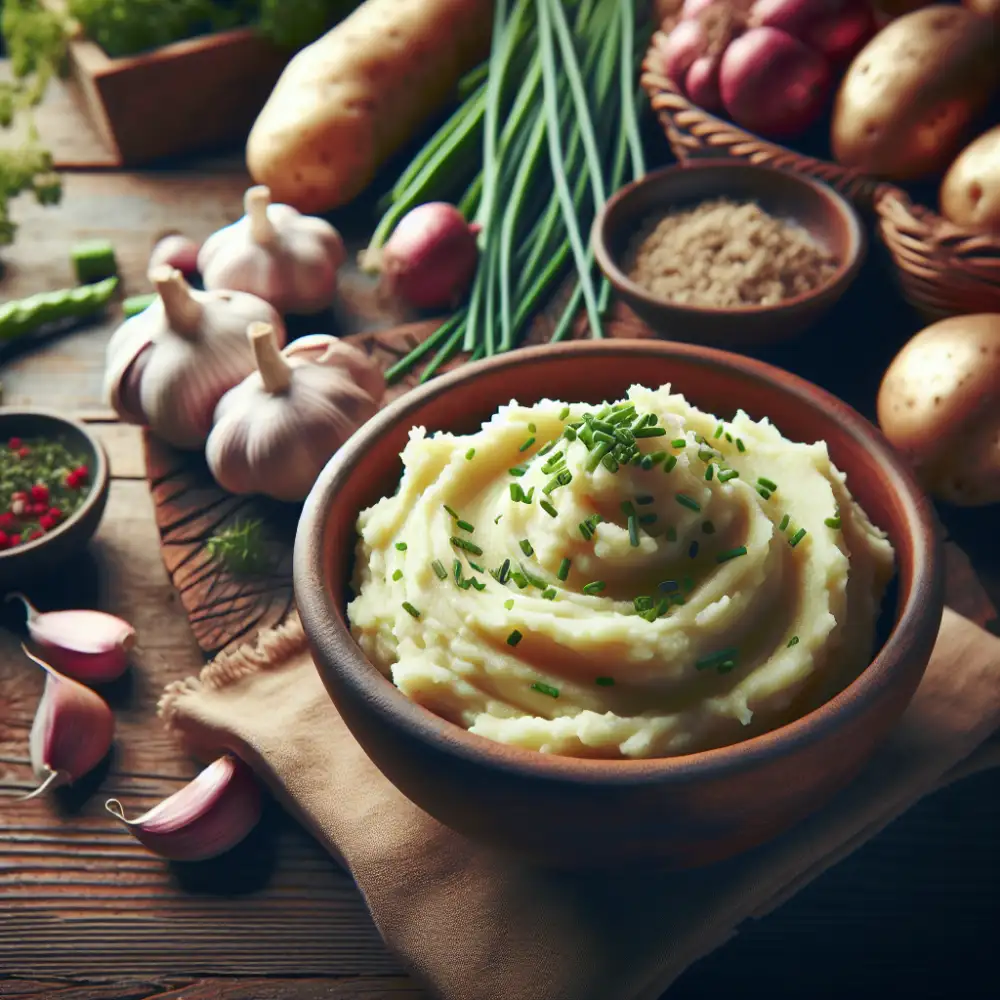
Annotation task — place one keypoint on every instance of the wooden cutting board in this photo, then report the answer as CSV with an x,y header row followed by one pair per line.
x,y
224,609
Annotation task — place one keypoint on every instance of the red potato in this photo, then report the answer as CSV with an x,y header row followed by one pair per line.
x,y
837,28
702,83
683,46
773,84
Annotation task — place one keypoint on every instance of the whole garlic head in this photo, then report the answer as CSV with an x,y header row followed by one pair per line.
x,y
277,429
169,366
286,258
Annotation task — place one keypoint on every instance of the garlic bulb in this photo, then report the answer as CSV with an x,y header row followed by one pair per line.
x,y
288,259
170,365
276,430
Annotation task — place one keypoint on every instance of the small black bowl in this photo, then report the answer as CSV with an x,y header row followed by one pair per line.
x,y
42,555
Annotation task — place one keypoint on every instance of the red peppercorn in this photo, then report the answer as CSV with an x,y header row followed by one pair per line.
x,y
35,535
82,473
40,493
15,540
72,481
39,508
46,523
55,513
7,521
4,540
23,452
14,444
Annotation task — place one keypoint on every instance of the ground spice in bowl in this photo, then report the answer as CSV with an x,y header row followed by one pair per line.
x,y
723,254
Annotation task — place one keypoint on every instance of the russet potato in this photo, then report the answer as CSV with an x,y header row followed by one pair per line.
x,y
910,96
939,405
970,192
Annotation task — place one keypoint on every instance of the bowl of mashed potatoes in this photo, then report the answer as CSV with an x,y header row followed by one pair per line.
x,y
619,600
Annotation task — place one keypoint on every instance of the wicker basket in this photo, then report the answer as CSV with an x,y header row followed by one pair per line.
x,y
942,270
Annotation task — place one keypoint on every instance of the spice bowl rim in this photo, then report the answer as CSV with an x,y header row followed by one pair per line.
x,y
608,218
99,478
337,653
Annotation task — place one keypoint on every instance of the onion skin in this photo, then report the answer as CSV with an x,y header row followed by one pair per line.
x,y
702,83
837,28
686,43
176,251
429,260
772,83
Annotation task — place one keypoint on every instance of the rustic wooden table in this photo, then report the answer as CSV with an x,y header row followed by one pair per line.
x,y
85,914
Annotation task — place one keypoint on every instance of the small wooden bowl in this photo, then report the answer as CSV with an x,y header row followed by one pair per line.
x,y
43,555
827,216
682,811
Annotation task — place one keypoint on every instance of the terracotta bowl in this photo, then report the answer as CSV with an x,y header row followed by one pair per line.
x,y
827,215
681,811
42,556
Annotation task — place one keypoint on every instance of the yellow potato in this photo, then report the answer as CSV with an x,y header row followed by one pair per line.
x,y
970,192
350,100
909,97
939,404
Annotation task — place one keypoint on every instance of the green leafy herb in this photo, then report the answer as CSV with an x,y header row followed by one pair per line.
x,y
241,548
401,546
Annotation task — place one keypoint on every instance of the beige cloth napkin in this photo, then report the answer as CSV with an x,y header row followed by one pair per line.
x,y
472,925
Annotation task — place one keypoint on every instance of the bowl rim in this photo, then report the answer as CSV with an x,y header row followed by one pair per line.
x,y
324,626
844,274
100,475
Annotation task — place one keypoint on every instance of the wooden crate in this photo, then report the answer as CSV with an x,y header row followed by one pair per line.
x,y
192,96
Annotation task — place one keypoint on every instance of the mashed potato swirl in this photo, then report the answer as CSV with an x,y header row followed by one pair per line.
x,y
638,579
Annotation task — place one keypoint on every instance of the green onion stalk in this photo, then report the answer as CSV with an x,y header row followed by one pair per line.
x,y
547,129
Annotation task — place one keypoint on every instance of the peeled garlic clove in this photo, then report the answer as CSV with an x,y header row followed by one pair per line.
x,y
207,817
71,733
90,646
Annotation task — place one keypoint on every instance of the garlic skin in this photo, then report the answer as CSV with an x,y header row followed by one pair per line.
x,y
276,431
322,349
169,366
71,733
288,259
207,817
89,646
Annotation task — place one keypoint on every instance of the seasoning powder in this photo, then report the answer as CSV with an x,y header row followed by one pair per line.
x,y
727,255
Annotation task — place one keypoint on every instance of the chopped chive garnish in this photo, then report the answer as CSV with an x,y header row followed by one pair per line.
x,y
509,604
722,557
461,543
797,537
605,682
714,659
647,518
548,508
650,460
740,446
650,432
569,434
610,463
767,484
726,474
470,454
669,464
564,478
708,528
766,494
603,425
476,567
671,534
478,584
709,472
602,436
718,431
688,584
439,570
784,523
544,688
627,509
706,454
553,463
519,578
465,526
496,520
832,522
549,593
794,641
726,666
546,448
450,511
515,637
685,501
642,603
669,586
401,546
597,455
518,470
645,500
585,530
456,567
729,437
693,550
398,575
564,413
678,443
516,492
504,574
526,548
527,444
633,530
529,496
563,571
535,581
594,587
410,610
